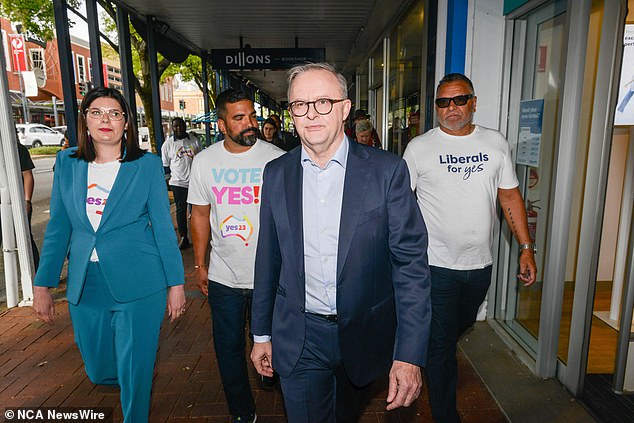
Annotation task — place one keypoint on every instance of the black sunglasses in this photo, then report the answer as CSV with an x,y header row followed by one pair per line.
x,y
459,100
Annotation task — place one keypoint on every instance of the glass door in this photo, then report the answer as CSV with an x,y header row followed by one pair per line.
x,y
537,69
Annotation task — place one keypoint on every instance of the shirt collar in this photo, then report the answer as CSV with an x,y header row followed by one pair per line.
x,y
340,157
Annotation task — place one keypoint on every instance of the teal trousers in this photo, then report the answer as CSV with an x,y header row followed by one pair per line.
x,y
118,341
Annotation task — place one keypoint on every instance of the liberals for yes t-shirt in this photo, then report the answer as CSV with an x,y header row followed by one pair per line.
x,y
456,180
231,184
101,177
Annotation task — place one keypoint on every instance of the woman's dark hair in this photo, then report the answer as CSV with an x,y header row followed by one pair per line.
x,y
269,121
130,149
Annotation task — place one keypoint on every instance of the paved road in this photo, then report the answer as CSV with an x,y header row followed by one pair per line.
x,y
43,174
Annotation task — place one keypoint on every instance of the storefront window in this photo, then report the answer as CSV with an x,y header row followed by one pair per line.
x,y
406,61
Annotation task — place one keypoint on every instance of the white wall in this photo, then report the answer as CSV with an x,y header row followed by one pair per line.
x,y
483,61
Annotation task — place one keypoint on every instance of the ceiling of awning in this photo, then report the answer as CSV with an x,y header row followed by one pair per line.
x,y
347,29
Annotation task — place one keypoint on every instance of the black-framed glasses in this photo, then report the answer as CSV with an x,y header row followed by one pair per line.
x,y
113,114
323,106
459,100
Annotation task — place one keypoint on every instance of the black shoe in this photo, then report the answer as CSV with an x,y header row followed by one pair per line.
x,y
268,383
184,244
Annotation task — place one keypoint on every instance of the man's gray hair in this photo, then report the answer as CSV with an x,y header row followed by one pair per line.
x,y
295,71
362,126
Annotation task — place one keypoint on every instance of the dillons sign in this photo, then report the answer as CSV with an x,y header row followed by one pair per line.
x,y
264,58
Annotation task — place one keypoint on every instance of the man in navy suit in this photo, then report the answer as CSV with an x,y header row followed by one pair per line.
x,y
341,291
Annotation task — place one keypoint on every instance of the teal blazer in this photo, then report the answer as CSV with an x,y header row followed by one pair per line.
x,y
136,243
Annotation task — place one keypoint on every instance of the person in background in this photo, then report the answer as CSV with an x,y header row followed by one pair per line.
x,y
458,170
26,167
363,131
271,134
28,182
289,140
177,153
224,192
110,215
341,291
361,115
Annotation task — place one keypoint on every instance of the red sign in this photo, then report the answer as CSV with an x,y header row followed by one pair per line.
x,y
105,74
18,51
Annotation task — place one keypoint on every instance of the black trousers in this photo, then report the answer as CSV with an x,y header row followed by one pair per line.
x,y
180,200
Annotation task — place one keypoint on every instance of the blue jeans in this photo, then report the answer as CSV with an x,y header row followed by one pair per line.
x,y
456,296
230,311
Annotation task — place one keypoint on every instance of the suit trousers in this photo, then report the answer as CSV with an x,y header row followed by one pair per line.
x,y
118,341
456,296
318,389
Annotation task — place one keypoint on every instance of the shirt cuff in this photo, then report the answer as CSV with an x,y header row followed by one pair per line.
x,y
260,339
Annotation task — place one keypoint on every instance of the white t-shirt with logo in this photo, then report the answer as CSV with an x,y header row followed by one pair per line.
x,y
178,156
231,184
456,180
101,177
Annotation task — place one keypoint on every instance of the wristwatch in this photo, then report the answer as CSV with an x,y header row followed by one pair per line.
x,y
528,246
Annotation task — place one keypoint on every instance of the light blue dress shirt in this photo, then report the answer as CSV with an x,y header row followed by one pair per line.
x,y
322,196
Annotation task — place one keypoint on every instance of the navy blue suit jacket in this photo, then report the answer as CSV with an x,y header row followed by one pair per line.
x,y
383,279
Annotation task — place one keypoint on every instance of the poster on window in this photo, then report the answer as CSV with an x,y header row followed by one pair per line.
x,y
530,136
625,106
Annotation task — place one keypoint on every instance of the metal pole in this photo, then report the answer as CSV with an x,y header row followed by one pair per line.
x,y
66,67
154,77
125,60
95,43
203,57
25,108
13,206
54,100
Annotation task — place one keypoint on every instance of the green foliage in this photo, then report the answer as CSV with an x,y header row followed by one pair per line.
x,y
192,70
35,15
40,151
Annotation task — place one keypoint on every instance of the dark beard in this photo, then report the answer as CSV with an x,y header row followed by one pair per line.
x,y
247,140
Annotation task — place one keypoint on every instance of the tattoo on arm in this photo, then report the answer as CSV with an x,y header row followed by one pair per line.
x,y
511,221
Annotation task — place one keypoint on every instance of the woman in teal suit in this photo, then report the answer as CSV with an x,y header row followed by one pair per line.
x,y
110,215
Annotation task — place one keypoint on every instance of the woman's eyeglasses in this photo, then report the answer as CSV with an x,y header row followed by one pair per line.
x,y
113,114
459,100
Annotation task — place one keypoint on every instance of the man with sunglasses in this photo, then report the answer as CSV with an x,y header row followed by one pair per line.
x,y
458,170
341,291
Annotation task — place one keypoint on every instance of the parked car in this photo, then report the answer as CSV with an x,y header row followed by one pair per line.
x,y
37,135
60,129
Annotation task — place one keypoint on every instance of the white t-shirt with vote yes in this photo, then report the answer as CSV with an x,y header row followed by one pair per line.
x,y
101,177
456,180
231,184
